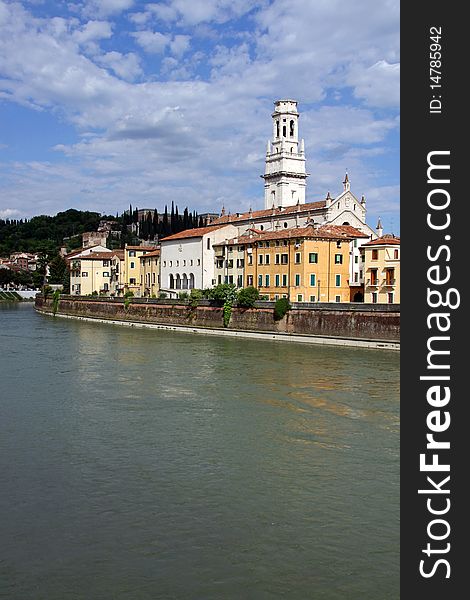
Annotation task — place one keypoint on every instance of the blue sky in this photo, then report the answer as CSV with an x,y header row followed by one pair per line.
x,y
104,103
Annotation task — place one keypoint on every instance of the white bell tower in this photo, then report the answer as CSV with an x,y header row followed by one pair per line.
x,y
284,176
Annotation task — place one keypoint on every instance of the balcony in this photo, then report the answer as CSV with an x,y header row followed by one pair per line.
x,y
390,282
373,282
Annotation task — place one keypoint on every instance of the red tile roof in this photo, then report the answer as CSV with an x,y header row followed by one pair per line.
x,y
333,232
190,233
144,248
98,256
385,240
154,253
277,212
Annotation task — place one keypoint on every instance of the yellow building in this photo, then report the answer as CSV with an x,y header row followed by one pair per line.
x,y
132,265
307,264
150,273
94,272
382,270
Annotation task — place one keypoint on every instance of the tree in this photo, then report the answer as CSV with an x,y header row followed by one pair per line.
x,y
58,272
247,297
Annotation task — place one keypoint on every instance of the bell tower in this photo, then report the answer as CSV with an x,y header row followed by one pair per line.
x,y
284,176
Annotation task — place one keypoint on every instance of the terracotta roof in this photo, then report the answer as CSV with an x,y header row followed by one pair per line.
x,y
154,253
144,248
385,240
256,214
333,232
99,256
190,233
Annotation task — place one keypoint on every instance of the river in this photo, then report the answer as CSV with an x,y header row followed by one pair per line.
x,y
143,464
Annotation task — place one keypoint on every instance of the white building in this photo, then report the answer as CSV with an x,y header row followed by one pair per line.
x,y
284,176
187,258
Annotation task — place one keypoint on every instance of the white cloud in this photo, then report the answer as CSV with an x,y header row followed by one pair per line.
x,y
125,66
180,44
378,85
152,42
105,8
9,213
93,30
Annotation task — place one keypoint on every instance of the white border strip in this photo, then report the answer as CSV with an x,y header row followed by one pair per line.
x,y
283,337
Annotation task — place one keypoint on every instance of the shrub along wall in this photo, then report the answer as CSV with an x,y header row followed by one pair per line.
x,y
356,321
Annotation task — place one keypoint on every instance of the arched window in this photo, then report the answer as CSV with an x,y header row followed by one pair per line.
x,y
185,281
191,281
292,128
284,131
178,282
171,282
277,128
345,223
261,227
285,225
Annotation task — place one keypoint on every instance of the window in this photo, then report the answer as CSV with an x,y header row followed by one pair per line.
x,y
312,298
297,280
355,241
338,244
277,259
164,263
356,260
105,273
208,243
337,298
313,280
250,259
297,258
356,278
284,259
284,281
260,281
240,248
390,297
240,281
198,262
395,254
230,279
285,225
105,287
177,263
191,262
375,254
106,263
260,259
338,280
131,253
132,264
240,263
219,279
313,257
374,297
153,277
277,280
300,297
266,259
230,249
132,281
84,274
184,263
249,280
338,259
266,281
373,277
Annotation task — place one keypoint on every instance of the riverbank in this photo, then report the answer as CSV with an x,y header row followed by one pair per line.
x,y
18,296
370,326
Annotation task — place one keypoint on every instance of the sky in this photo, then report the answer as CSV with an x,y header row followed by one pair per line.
x,y
106,103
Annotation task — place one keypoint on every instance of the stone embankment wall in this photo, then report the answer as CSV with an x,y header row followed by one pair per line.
x,y
349,321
